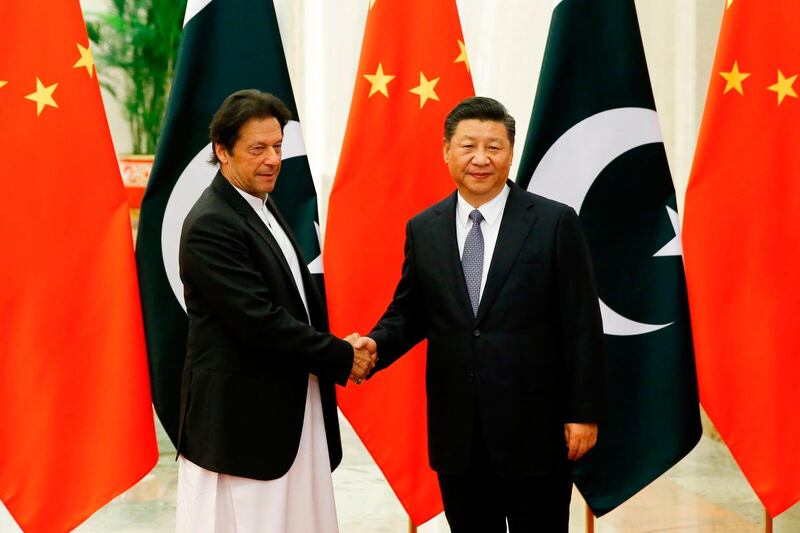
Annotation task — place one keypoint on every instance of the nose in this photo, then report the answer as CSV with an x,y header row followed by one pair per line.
x,y
271,156
480,158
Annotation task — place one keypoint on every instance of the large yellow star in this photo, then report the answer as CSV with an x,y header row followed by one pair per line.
x,y
86,60
462,57
734,78
784,87
379,81
43,96
425,89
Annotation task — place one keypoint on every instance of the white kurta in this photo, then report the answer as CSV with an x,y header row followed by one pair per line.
x,y
299,502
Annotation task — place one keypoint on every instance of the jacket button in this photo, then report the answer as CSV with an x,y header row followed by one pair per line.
x,y
476,333
470,376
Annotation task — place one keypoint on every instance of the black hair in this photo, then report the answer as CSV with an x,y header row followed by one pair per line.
x,y
479,108
236,110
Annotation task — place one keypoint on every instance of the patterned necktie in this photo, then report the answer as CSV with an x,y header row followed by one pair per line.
x,y
472,260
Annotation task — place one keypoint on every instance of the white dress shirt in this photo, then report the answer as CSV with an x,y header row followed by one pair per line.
x,y
492,212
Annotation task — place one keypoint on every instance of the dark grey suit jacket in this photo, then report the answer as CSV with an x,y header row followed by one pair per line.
x,y
251,345
530,360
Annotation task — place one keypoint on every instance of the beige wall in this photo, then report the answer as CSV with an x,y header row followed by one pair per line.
x,y
114,111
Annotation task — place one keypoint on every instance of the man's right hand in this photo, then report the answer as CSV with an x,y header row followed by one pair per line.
x,y
364,357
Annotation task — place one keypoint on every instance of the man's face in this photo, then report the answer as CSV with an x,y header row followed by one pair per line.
x,y
479,159
255,160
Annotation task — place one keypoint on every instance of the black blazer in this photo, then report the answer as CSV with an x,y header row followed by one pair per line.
x,y
528,363
251,346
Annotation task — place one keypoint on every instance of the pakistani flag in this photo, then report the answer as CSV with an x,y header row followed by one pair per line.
x,y
594,143
227,45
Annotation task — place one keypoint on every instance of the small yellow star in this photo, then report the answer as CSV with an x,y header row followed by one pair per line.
x,y
372,3
2,83
43,96
784,87
86,60
734,78
462,57
425,89
730,2
379,81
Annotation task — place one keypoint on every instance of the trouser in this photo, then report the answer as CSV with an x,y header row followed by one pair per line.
x,y
480,501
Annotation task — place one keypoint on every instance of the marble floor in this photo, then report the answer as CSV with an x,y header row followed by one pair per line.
x,y
704,493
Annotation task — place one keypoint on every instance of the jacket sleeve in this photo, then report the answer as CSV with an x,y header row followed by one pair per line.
x,y
402,326
215,262
582,327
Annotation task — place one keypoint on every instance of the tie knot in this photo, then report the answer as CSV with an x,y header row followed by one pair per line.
x,y
476,216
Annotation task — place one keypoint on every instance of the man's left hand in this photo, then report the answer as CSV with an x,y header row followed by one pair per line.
x,y
580,439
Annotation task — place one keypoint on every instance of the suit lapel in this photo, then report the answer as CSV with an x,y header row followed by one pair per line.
x,y
518,220
240,205
445,233
313,298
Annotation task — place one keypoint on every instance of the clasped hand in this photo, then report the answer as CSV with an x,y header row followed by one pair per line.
x,y
365,353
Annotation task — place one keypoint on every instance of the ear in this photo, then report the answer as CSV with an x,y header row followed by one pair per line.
x,y
222,153
446,150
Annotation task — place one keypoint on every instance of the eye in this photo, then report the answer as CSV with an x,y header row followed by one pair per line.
x,y
257,150
278,148
467,146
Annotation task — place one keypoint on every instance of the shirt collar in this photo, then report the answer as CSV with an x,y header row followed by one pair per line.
x,y
254,201
491,210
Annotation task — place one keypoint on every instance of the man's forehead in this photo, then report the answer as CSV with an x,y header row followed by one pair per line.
x,y
469,128
478,122
258,130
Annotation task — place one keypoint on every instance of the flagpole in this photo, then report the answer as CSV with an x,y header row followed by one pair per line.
x,y
767,522
589,519
412,528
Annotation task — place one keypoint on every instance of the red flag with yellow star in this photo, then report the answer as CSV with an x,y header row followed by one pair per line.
x,y
413,70
742,246
77,425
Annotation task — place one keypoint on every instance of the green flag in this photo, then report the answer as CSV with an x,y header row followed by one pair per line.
x,y
226,46
595,143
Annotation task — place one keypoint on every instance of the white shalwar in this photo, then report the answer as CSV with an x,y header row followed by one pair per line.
x,y
299,502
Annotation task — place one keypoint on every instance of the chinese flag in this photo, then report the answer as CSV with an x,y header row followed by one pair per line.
x,y
77,426
413,70
742,246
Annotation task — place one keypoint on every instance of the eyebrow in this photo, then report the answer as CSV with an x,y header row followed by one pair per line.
x,y
491,139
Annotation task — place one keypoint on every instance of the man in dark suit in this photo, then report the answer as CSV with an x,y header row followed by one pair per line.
x,y
499,281
258,434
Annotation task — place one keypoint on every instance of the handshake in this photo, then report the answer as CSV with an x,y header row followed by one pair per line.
x,y
365,353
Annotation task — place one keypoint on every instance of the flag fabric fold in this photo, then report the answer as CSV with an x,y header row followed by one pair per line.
x,y
742,243
226,46
413,69
595,143
74,392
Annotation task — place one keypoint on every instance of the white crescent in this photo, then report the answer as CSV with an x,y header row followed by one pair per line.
x,y
193,7
194,179
573,162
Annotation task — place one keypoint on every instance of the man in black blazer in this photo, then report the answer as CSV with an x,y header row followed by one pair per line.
x,y
499,281
260,368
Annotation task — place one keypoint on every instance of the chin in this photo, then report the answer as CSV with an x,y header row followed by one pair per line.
x,y
481,191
